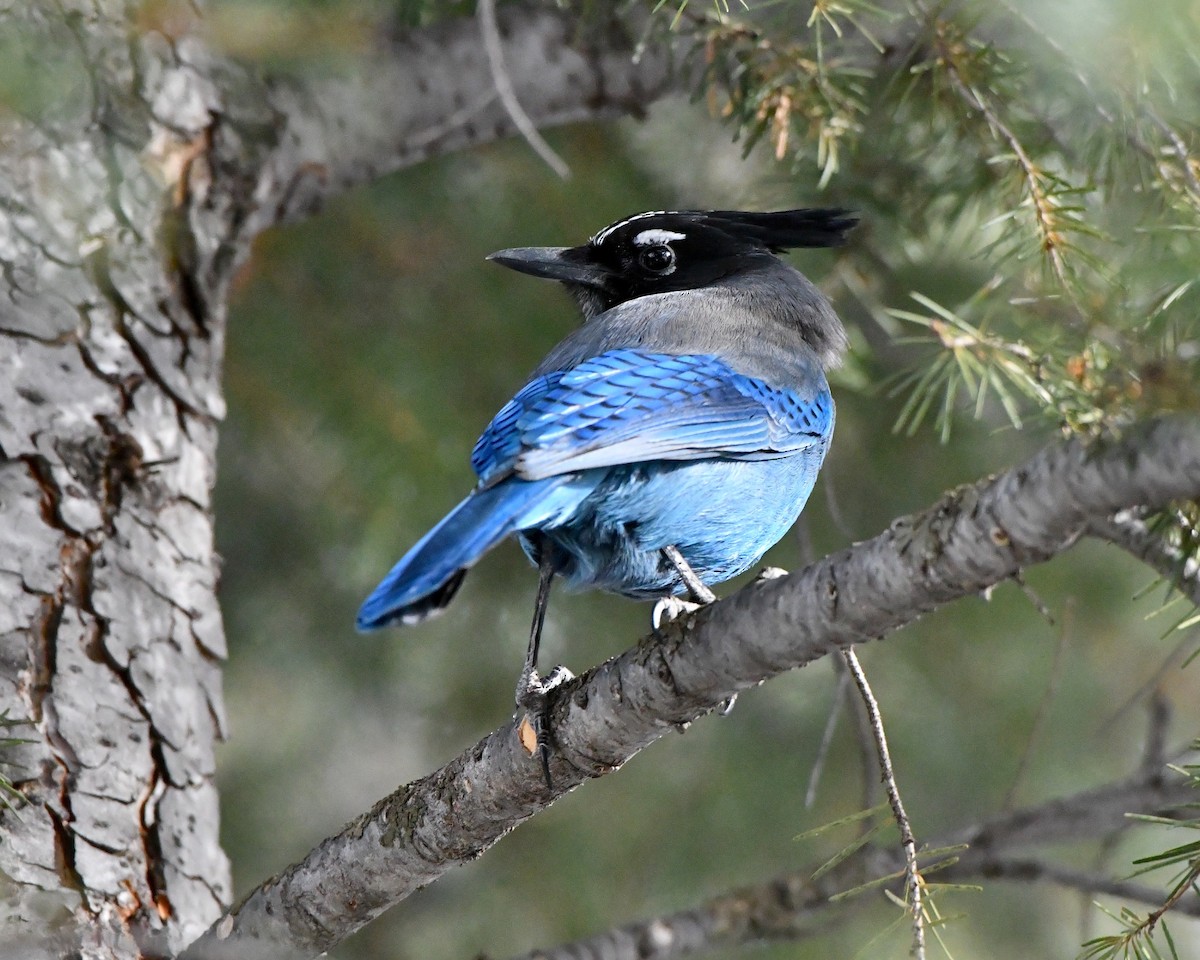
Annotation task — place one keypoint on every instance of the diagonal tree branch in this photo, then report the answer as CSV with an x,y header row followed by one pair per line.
x,y
797,905
975,537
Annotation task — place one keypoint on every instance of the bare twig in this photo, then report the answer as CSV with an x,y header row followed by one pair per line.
x,y
1187,163
1039,719
696,587
912,875
831,504
508,96
1043,205
1003,868
835,708
1184,649
865,739
444,127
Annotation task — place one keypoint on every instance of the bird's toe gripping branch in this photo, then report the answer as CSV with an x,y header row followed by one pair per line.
x,y
667,609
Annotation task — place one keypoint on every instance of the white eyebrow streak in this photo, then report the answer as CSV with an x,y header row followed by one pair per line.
x,y
607,231
650,237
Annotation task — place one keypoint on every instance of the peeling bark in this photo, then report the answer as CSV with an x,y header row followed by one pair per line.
x,y
110,635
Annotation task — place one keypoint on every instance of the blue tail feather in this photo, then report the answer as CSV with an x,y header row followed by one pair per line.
x,y
426,578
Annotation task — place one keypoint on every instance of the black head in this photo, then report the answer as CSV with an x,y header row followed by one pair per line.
x,y
660,251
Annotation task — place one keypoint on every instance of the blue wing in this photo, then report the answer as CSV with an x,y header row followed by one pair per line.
x,y
625,406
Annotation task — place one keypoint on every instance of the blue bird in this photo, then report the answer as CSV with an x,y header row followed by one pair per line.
x,y
666,443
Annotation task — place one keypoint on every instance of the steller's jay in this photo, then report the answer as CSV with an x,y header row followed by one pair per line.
x,y
666,443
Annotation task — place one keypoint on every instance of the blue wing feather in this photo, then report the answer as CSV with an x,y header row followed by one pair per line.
x,y
626,406
412,590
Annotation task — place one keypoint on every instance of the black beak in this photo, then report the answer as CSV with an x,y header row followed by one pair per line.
x,y
565,264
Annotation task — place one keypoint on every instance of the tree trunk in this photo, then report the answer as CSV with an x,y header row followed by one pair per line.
x,y
110,634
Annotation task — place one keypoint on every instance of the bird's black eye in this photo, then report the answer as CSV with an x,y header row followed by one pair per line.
x,y
657,259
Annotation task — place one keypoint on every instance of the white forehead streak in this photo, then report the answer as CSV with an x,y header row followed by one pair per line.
x,y
648,238
607,231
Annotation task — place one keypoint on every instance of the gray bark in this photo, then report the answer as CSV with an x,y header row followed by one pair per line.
x,y
974,538
110,635
134,171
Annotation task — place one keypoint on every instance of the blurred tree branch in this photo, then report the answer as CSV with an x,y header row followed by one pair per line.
x,y
976,537
801,904
424,93
1133,531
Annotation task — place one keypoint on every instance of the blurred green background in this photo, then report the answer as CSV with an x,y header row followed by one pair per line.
x,y
367,349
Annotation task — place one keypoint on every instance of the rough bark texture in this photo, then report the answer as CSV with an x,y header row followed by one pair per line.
x,y
110,635
135,167
975,537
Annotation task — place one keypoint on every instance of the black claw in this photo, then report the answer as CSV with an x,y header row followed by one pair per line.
x,y
542,729
534,703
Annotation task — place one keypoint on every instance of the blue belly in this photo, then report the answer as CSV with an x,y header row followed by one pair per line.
x,y
723,515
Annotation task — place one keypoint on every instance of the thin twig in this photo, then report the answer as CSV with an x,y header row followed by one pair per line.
x,y
431,135
508,96
1154,753
1039,719
1179,148
831,504
1182,651
1034,599
835,709
1043,207
864,736
1036,870
912,876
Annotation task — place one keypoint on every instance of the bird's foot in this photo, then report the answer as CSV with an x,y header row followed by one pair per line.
x,y
668,609
534,728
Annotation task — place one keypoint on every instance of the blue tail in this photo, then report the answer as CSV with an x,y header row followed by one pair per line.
x,y
427,577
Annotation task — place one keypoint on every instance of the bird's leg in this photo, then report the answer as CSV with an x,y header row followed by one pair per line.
x,y
529,675
672,607
700,593
532,689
